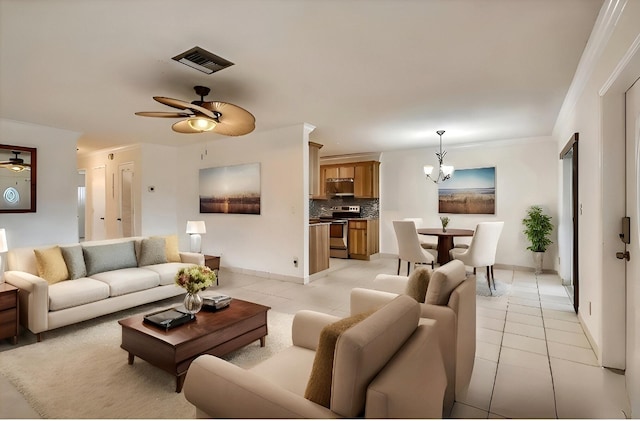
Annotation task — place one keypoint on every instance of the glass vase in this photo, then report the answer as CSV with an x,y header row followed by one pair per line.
x,y
193,302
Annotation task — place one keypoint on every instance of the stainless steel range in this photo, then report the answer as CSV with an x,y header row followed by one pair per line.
x,y
339,229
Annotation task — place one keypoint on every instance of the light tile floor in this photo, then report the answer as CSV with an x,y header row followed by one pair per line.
x,y
532,359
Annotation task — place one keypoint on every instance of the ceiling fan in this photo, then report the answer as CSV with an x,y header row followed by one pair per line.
x,y
15,164
205,116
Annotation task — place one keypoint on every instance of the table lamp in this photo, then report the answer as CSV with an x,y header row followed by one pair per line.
x,y
195,228
3,250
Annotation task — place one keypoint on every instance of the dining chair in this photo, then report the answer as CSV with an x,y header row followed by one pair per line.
x,y
409,248
424,239
482,249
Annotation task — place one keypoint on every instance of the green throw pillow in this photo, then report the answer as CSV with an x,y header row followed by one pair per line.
x,y
152,251
106,257
75,261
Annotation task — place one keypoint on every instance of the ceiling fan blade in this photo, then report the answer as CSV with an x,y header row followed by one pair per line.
x,y
232,120
183,105
183,126
163,114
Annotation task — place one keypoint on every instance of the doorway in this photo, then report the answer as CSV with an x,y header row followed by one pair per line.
x,y
82,202
569,220
127,205
630,237
98,203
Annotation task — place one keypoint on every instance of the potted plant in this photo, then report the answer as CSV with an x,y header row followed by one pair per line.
x,y
538,228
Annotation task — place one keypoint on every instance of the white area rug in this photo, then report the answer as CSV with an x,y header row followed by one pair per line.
x,y
482,289
81,372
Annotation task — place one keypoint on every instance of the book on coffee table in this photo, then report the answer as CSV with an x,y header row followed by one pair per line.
x,y
215,302
169,318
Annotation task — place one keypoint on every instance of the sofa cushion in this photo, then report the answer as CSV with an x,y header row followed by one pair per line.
x,y
51,265
443,281
75,292
74,260
362,351
319,385
152,251
292,380
417,284
168,271
106,257
125,281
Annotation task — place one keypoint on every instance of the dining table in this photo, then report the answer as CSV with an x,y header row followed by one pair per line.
x,y
445,240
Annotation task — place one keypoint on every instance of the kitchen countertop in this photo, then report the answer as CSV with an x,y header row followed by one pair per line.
x,y
318,222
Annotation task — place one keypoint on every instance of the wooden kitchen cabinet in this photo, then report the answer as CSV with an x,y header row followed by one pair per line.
x,y
333,171
366,180
363,238
318,248
339,171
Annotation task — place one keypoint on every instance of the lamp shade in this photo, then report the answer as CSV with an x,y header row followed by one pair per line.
x,y
196,227
201,124
3,241
447,170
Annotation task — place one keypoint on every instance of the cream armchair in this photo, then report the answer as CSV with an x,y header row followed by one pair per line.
x,y
386,366
451,301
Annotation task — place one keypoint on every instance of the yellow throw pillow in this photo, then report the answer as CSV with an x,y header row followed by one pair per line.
x,y
319,384
51,265
171,248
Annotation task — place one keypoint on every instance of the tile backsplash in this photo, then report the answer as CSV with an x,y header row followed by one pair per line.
x,y
369,208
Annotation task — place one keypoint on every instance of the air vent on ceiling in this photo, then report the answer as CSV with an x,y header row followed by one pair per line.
x,y
202,60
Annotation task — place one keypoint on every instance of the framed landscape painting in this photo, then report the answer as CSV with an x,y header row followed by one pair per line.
x,y
232,189
469,191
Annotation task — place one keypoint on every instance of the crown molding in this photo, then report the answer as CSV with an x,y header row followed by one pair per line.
x,y
603,28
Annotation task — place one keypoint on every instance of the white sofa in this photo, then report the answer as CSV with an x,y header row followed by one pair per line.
x,y
102,277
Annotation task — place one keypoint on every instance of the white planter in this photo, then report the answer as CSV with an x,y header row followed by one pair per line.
x,y
537,261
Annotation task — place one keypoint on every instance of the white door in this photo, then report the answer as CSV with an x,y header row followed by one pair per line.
x,y
126,218
633,248
98,203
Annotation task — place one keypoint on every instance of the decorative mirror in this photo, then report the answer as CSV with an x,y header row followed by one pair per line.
x,y
17,179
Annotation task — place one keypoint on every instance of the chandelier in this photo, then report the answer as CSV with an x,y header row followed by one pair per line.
x,y
444,171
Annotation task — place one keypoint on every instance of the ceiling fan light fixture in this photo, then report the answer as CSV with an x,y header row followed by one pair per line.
x,y
17,168
201,124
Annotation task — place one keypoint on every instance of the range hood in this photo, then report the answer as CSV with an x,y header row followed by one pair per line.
x,y
339,187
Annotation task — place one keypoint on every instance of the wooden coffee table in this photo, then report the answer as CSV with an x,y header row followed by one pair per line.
x,y
213,332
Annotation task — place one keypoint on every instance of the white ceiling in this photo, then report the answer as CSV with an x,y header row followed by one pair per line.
x,y
370,75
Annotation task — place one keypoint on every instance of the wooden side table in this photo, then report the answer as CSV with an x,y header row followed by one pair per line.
x,y
213,263
9,312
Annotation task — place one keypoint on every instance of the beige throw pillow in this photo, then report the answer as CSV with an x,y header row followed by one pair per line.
x,y
171,248
417,284
443,281
319,384
51,265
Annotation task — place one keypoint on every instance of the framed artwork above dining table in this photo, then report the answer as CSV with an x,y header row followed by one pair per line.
x,y
469,191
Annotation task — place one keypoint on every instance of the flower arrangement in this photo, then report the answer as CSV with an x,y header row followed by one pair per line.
x,y
445,222
195,278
